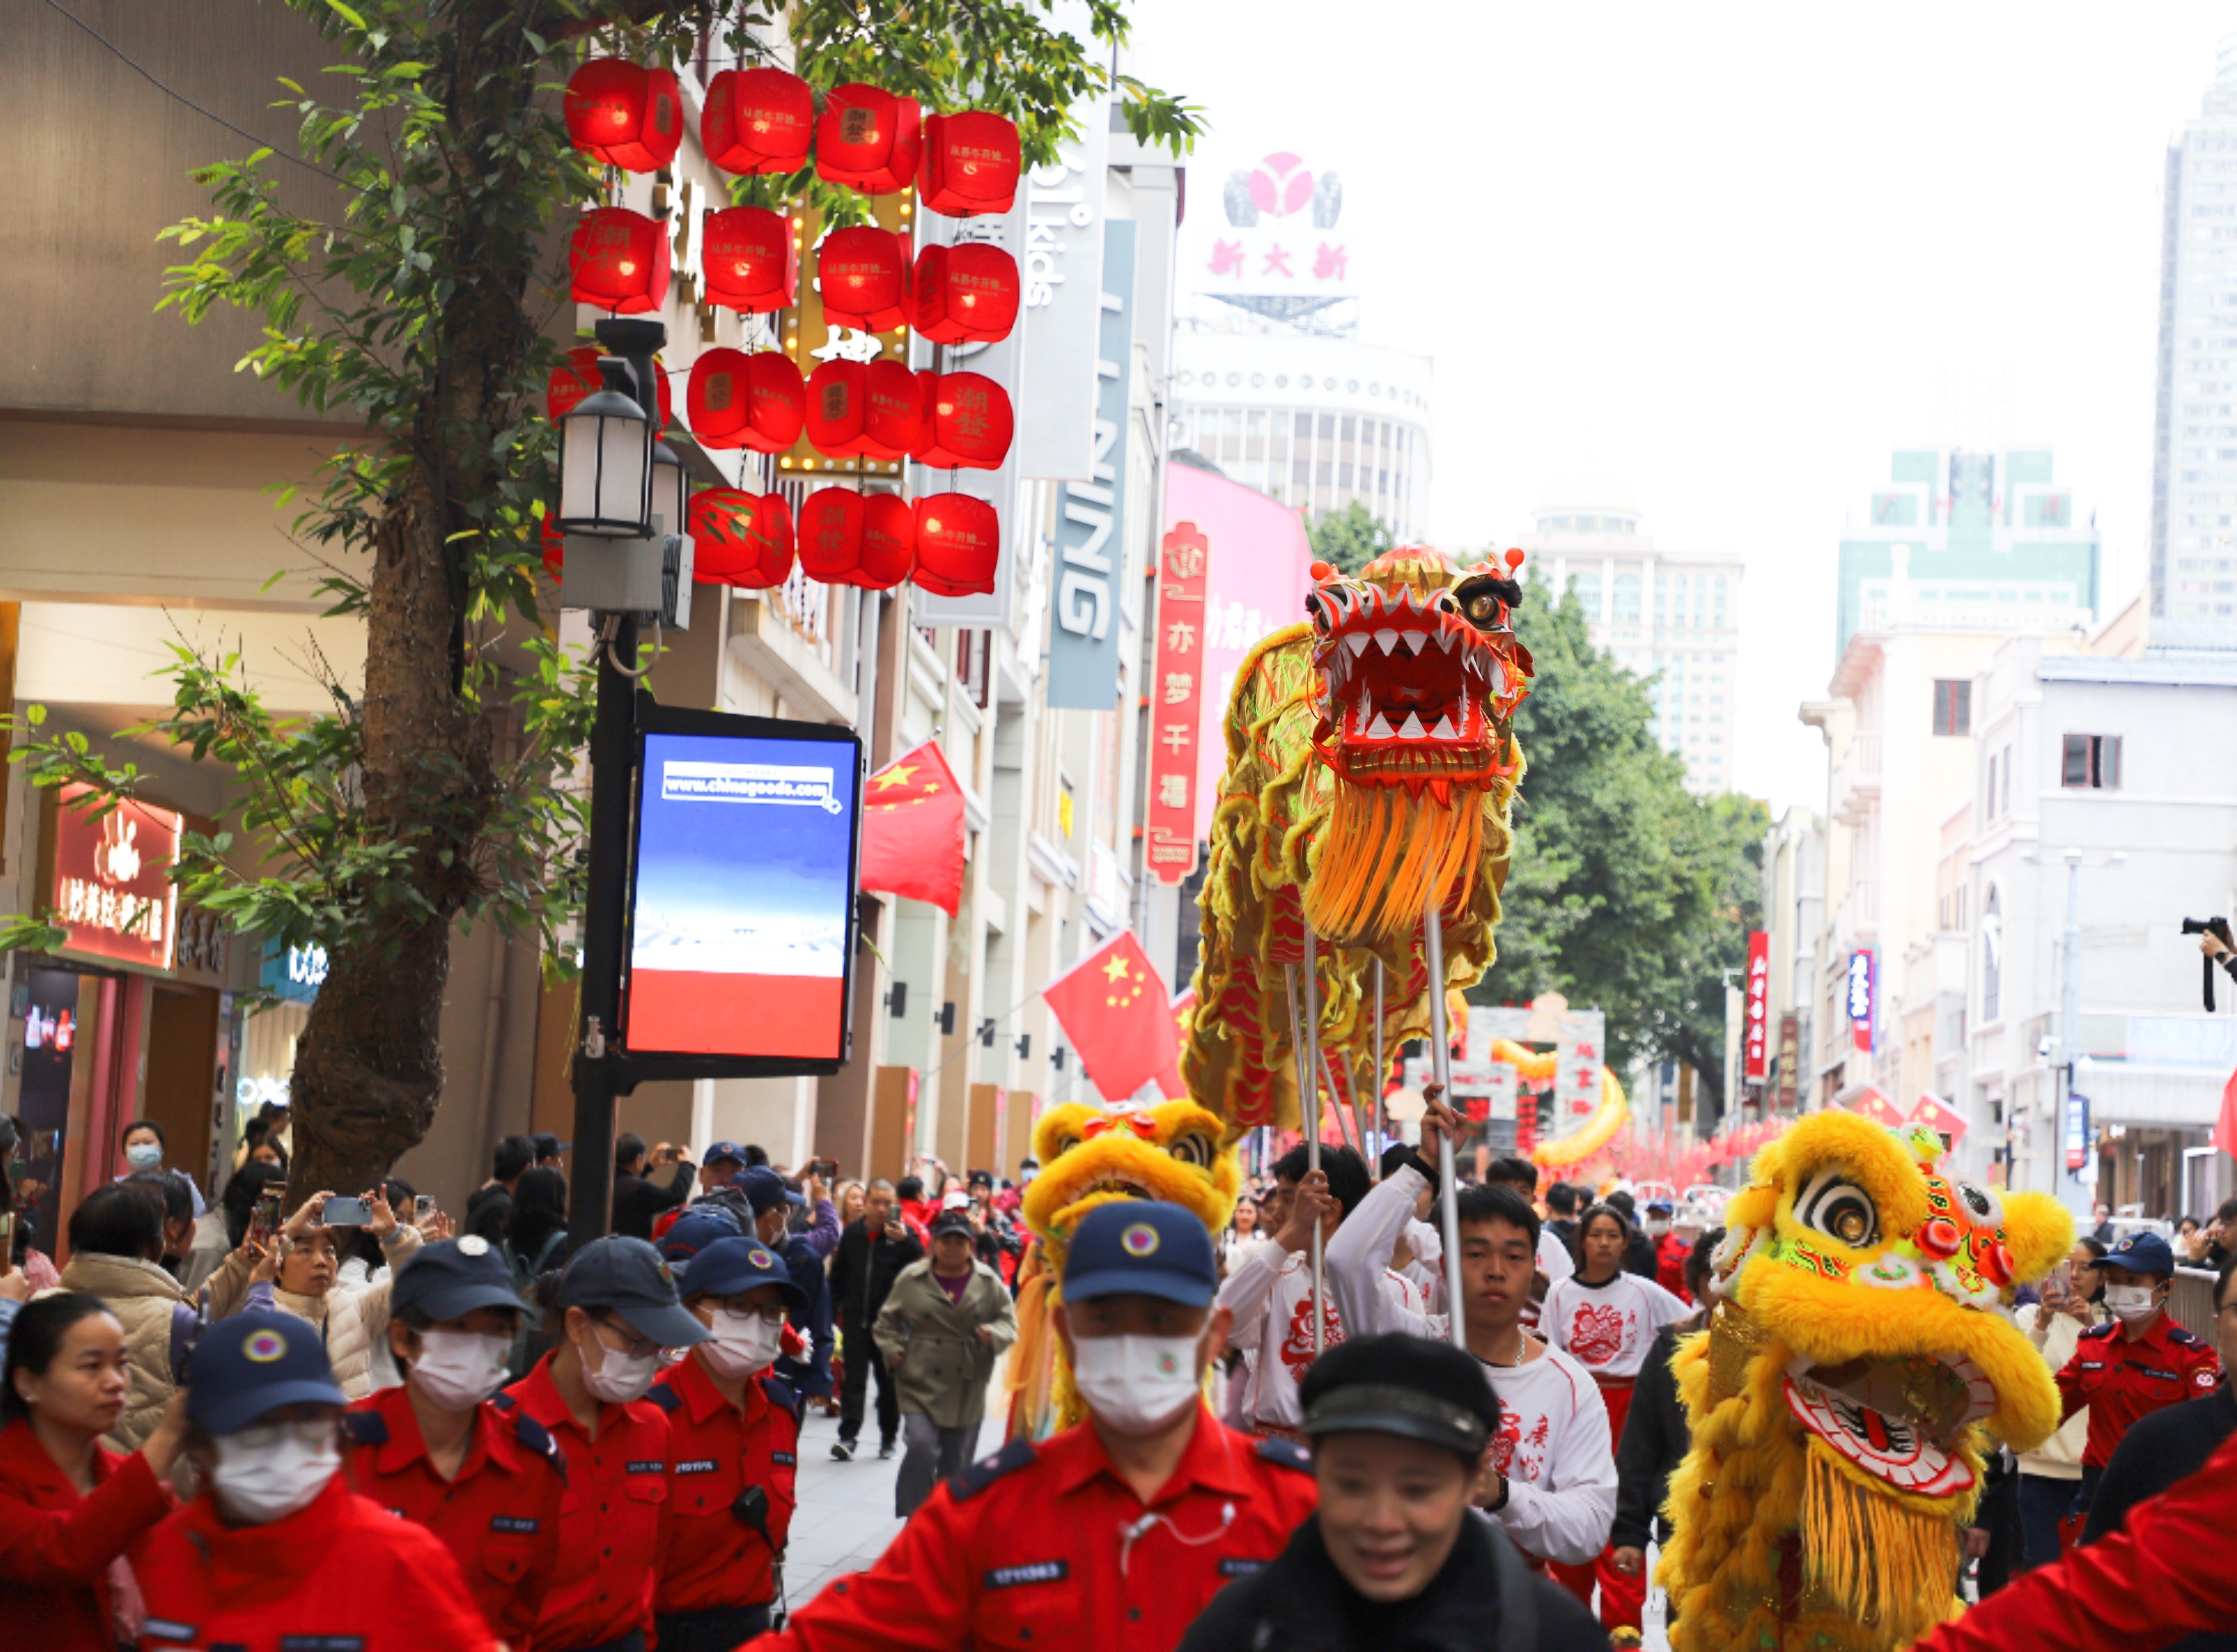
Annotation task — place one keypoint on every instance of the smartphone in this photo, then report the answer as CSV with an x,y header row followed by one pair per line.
x,y
7,1241
345,1213
826,1169
268,1218
423,1206
2060,1285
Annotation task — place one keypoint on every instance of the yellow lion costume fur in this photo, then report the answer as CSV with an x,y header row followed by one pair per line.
x,y
1837,1396
1171,1151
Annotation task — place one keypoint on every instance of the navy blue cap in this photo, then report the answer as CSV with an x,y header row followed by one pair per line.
x,y
954,1222
450,1280
764,1188
696,1229
2141,1253
724,1150
733,1267
624,1276
1141,1246
251,1363
1662,1205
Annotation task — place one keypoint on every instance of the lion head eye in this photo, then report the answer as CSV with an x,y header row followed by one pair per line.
x,y
1838,1208
1192,1148
1065,1144
1982,1206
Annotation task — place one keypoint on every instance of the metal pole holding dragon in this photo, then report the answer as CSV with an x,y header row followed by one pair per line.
x,y
1441,1054
1374,1162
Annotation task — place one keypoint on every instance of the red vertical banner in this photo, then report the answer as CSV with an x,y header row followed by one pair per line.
x,y
1176,691
1757,1035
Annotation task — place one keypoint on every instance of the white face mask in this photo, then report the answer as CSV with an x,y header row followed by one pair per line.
x,y
1656,1227
1136,1385
2131,1303
744,1344
143,1156
267,1472
459,1369
621,1379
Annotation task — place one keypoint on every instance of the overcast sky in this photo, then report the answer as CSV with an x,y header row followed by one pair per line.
x,y
1725,259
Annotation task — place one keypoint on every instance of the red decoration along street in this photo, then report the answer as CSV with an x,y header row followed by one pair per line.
x,y
868,139
1175,689
849,538
912,830
753,401
958,546
971,424
876,410
966,294
624,114
864,273
747,255
970,164
740,538
577,376
618,260
758,119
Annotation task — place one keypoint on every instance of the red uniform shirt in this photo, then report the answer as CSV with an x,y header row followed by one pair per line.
x,y
340,1573
613,1518
2121,1380
2171,1569
1045,1548
55,1547
716,1453
499,1518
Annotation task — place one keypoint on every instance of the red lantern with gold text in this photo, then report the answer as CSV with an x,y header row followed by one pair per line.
x,y
866,279
838,408
877,410
966,294
959,543
970,164
848,538
971,424
740,538
752,401
625,115
749,261
758,119
869,139
618,261
577,376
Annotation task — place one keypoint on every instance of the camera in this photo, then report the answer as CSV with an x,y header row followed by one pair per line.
x,y
2218,928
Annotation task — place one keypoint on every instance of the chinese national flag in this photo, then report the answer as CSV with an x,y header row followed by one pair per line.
x,y
1115,1010
2225,1128
1931,1111
912,830
1876,1107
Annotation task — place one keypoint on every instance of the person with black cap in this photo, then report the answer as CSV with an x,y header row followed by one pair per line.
x,y
277,1551
772,1202
733,1453
947,1319
478,1473
618,1310
1396,1558
1110,1537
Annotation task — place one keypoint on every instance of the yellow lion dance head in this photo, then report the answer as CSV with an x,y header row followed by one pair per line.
x,y
1854,1353
1171,1151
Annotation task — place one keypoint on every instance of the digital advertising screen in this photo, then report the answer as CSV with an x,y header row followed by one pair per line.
x,y
742,915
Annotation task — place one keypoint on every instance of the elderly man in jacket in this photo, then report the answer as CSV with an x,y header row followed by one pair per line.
x,y
947,1319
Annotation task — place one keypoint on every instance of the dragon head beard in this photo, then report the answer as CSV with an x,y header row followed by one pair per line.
x,y
1417,674
1851,1358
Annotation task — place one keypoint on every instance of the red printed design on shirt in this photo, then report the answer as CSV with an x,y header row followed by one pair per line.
x,y
1297,1342
1595,1332
1516,1454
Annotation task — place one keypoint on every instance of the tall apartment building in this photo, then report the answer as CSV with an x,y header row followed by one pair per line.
x,y
2194,570
1669,617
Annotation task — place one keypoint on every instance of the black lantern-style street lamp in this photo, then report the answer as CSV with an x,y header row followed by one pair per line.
x,y
606,460
671,490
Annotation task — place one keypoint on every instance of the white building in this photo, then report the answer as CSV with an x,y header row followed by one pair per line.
x,y
1673,617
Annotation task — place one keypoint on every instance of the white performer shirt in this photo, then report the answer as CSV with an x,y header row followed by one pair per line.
x,y
1608,1327
1553,1443
1269,1292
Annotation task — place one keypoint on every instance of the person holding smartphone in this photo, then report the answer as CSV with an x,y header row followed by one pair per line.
x,y
2072,1301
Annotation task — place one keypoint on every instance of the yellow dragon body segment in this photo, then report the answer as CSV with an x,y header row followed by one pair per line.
x,y
1838,1397
1370,764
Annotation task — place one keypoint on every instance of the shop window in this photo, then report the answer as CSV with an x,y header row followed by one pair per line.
x,y
2091,762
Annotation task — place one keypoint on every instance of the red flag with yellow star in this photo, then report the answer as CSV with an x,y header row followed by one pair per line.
x,y
1116,1014
912,830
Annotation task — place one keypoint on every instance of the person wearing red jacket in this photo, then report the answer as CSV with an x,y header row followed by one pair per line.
x,y
487,1480
70,1510
733,1451
277,1553
1670,1250
618,1309
1110,1537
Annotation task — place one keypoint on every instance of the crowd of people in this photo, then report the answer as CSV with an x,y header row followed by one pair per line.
x,y
361,1423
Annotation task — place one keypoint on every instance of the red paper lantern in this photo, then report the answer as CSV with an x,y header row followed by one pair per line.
x,y
838,408
750,260
868,138
618,261
740,538
970,164
577,376
752,401
966,294
625,115
866,279
971,424
877,410
555,547
758,119
848,538
959,543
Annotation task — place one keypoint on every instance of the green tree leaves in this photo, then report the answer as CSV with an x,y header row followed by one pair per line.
x,y
1349,539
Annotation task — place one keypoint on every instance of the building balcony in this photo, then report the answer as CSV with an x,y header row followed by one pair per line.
x,y
1856,790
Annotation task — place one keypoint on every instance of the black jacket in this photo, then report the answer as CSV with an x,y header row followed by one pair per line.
x,y
636,1200
1302,1603
1654,1442
863,1272
1639,1256
488,1210
2157,1451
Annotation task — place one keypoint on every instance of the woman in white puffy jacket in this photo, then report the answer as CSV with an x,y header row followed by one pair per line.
x,y
2049,1473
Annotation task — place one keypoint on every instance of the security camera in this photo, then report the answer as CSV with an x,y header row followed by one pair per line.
x,y
2046,1049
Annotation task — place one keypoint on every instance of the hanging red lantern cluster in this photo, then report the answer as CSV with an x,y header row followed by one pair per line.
x,y
740,539
849,538
868,139
966,294
959,543
749,261
970,164
625,115
618,260
971,424
753,401
864,273
577,376
758,120
880,410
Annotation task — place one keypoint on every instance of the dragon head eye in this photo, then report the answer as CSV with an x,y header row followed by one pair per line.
x,y
1484,609
1318,608
1192,1148
1838,1208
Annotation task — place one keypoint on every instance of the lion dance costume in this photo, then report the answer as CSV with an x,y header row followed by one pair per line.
x,y
1837,1396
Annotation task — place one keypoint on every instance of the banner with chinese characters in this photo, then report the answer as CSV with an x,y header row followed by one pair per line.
x,y
1860,998
1756,1035
1790,1060
1175,689
112,893
1276,231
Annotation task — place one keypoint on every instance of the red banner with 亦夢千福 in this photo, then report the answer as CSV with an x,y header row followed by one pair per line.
x,y
1176,693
